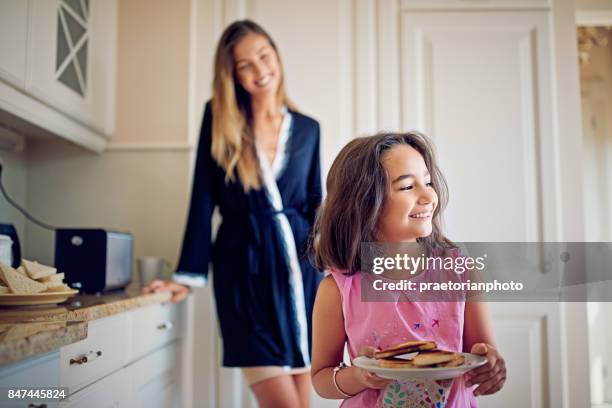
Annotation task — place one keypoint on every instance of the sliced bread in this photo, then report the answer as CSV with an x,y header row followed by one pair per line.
x,y
58,277
59,288
36,270
18,283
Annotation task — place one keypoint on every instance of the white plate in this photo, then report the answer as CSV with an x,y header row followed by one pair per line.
x,y
435,373
14,299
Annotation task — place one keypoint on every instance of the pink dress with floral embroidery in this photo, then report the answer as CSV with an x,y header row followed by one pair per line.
x,y
383,324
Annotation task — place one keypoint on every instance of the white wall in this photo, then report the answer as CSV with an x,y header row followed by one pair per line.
x,y
316,47
143,192
14,179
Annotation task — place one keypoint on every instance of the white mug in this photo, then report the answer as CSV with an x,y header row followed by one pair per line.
x,y
151,268
6,254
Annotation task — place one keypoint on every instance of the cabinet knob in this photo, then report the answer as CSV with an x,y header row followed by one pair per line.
x,y
165,326
86,358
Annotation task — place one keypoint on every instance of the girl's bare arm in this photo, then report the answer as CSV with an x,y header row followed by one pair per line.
x,y
477,326
328,339
478,338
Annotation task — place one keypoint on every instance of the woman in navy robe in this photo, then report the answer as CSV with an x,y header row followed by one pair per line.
x,y
258,161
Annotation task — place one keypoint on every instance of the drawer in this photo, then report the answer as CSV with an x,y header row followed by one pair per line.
x,y
37,372
112,391
102,352
156,378
153,326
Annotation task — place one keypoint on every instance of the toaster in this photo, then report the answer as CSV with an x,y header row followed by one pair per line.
x,y
94,260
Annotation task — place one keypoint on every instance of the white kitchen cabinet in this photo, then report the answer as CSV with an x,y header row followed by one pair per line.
x,y
102,352
41,371
58,68
71,58
484,83
480,85
156,380
140,362
153,326
110,392
13,40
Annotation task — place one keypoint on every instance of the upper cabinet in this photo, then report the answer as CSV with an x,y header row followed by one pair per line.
x,y
58,64
71,59
13,41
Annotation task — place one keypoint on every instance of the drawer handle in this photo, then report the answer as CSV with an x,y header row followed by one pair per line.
x,y
165,326
37,406
86,358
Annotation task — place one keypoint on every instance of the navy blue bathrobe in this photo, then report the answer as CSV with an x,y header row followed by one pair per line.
x,y
253,297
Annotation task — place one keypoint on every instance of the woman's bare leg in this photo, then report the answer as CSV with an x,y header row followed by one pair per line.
x,y
304,387
277,392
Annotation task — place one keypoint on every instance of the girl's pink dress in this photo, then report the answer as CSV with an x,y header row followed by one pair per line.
x,y
383,324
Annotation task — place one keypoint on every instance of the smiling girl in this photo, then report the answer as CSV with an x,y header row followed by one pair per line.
x,y
388,189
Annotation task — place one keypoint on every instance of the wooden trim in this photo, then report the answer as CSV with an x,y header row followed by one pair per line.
x,y
474,5
567,128
594,17
346,66
149,147
32,111
365,73
388,59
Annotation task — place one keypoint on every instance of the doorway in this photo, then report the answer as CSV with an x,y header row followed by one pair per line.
x,y
595,54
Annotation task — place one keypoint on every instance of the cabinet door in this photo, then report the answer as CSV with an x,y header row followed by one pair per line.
x,y
108,337
110,392
71,58
13,40
36,372
153,326
156,379
479,83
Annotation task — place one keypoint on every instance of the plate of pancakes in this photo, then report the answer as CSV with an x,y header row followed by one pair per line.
x,y
419,360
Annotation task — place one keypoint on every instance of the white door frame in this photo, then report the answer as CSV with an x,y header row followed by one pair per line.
x,y
591,18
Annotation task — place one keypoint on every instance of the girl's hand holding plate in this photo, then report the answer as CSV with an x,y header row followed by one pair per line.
x,y
369,379
492,375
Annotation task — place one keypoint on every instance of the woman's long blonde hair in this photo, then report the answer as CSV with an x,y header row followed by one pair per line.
x,y
233,139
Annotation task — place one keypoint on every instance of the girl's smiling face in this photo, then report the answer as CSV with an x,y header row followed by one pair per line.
x,y
256,65
410,200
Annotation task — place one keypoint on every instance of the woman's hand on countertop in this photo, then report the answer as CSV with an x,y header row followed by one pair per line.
x,y
179,292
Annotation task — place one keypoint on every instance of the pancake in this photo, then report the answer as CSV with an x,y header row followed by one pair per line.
x,y
433,357
403,348
395,363
460,360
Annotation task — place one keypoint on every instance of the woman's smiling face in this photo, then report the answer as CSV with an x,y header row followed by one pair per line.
x,y
410,200
256,65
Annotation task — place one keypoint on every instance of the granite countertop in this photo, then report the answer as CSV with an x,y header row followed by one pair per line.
x,y
26,331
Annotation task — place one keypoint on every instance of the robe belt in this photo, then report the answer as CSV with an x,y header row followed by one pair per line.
x,y
254,246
